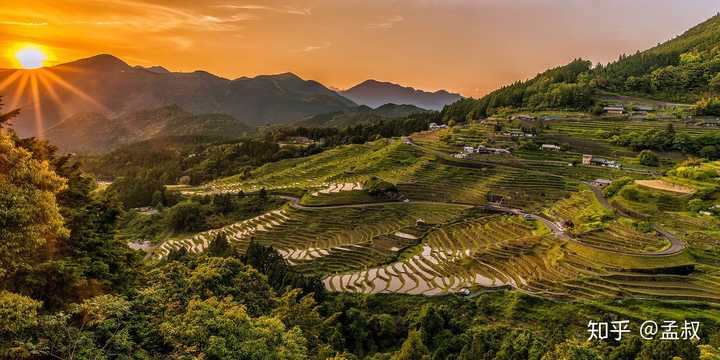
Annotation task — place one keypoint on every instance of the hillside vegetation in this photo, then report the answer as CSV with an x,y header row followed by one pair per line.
x,y
360,115
685,69
94,132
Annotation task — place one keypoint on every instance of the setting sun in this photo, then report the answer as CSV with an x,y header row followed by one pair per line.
x,y
31,57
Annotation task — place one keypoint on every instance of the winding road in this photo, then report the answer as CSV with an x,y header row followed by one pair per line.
x,y
676,244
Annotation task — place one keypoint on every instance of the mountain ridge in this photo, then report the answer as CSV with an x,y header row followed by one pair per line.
x,y
375,93
106,84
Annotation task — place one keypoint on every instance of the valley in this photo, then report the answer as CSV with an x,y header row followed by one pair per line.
x,y
528,221
147,213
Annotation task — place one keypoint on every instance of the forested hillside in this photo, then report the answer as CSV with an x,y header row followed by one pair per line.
x,y
565,87
685,69
360,115
94,132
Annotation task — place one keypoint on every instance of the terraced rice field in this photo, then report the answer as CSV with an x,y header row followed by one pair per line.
x,y
359,244
449,259
309,234
586,214
351,164
437,181
240,232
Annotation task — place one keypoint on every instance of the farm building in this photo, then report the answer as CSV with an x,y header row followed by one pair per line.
x,y
488,150
614,109
484,150
435,126
518,133
549,147
596,161
601,182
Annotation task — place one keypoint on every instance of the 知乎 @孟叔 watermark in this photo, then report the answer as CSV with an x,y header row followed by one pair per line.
x,y
648,330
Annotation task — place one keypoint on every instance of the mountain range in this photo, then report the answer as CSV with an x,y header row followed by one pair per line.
x,y
375,93
105,85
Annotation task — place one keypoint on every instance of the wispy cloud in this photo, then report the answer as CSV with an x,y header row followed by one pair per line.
x,y
387,23
134,14
23,23
312,48
282,9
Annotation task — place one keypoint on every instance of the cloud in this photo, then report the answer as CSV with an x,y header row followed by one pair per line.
x,y
282,10
387,23
23,23
311,48
130,14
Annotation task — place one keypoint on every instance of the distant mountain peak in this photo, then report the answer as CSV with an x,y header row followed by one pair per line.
x,y
375,93
101,62
154,69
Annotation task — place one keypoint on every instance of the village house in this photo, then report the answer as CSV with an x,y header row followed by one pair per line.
x,y
488,150
596,161
614,109
601,182
483,150
435,126
517,133
549,147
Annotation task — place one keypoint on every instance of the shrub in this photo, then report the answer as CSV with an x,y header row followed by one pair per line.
x,y
708,106
616,186
648,158
696,205
185,216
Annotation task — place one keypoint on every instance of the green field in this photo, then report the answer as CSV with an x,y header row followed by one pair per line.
x,y
434,237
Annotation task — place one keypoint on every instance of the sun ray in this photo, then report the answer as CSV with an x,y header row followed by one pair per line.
x,y
74,90
53,94
20,90
37,108
10,79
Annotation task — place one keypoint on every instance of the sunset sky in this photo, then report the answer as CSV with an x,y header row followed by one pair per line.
x,y
465,46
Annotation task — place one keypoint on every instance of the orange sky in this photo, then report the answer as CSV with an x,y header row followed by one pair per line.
x,y
467,46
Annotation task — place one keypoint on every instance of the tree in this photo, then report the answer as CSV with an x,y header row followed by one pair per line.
x,y
710,152
572,350
29,214
648,158
18,317
222,329
185,216
413,348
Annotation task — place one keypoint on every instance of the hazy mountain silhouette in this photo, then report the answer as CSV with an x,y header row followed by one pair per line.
x,y
362,114
375,93
95,132
118,88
